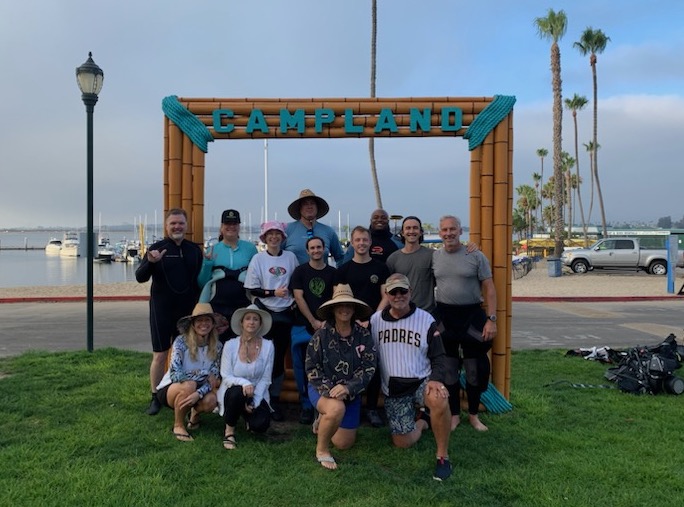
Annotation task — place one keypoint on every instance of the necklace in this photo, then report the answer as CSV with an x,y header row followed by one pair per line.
x,y
255,350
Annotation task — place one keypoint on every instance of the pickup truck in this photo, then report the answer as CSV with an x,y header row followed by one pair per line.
x,y
618,253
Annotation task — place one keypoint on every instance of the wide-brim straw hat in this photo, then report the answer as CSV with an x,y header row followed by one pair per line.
x,y
236,320
342,293
200,310
294,209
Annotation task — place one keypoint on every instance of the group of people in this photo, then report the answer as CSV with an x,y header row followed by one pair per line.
x,y
392,316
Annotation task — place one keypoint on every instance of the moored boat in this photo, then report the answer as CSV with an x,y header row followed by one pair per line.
x,y
69,245
53,247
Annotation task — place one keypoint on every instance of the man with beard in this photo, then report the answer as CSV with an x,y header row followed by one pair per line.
x,y
173,264
383,242
311,285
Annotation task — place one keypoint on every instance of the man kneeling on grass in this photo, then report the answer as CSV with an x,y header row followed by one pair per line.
x,y
413,368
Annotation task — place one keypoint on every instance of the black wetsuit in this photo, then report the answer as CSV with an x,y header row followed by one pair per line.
x,y
174,289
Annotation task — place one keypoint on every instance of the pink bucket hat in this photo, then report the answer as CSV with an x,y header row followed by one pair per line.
x,y
271,225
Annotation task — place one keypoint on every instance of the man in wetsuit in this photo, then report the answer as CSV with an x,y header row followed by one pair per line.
x,y
173,264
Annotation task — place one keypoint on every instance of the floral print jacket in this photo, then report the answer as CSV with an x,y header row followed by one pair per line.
x,y
332,359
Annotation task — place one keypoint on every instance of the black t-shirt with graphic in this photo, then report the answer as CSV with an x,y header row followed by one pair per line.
x,y
365,280
317,285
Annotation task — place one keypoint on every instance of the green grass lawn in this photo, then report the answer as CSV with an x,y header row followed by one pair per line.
x,y
73,432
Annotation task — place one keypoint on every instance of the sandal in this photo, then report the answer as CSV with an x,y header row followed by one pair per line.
x,y
229,442
183,437
327,462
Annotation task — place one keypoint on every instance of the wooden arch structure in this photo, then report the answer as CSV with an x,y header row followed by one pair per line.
x,y
486,122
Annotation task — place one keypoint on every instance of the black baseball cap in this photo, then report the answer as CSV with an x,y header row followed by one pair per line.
x,y
230,216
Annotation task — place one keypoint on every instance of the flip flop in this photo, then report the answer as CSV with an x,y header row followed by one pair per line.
x,y
183,437
229,442
329,460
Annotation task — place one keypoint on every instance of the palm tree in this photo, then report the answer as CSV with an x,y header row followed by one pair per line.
x,y
552,28
592,42
527,202
541,153
577,103
591,148
371,140
568,162
536,177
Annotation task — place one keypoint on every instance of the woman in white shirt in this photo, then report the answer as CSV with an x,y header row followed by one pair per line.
x,y
246,367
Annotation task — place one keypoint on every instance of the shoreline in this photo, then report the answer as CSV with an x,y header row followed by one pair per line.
x,y
536,285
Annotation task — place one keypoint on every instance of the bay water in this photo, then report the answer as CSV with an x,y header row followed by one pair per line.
x,y
23,262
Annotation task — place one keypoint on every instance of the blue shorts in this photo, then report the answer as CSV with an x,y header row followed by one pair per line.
x,y
352,413
401,410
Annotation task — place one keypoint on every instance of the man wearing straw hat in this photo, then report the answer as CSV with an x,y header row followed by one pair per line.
x,y
306,210
413,369
462,279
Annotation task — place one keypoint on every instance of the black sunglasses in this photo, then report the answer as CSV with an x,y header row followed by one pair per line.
x,y
398,290
309,233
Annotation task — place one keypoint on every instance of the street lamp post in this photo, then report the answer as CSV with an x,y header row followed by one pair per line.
x,y
90,78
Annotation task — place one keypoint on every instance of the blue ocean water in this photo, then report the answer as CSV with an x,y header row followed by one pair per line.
x,y
32,267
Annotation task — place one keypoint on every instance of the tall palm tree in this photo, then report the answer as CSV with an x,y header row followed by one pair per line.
x,y
553,27
591,149
536,177
568,162
371,140
542,153
592,42
577,103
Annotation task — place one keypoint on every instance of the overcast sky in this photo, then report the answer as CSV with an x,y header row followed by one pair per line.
x,y
317,48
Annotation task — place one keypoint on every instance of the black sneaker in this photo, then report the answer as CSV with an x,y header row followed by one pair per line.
x,y
306,416
442,469
276,413
155,405
374,418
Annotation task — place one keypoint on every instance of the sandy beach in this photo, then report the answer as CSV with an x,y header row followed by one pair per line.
x,y
537,283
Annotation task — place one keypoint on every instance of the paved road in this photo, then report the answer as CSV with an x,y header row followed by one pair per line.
x,y
566,325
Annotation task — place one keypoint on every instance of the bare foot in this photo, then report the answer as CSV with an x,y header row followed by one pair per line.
x,y
193,420
476,423
455,421
314,426
327,461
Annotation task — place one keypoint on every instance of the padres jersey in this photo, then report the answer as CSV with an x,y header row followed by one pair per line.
x,y
404,351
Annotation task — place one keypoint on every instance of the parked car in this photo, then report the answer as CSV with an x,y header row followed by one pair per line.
x,y
619,253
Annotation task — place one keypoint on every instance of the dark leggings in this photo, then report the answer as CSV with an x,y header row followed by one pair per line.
x,y
465,351
234,406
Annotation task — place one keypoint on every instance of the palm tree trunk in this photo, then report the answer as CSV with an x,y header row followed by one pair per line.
x,y
596,176
557,148
371,140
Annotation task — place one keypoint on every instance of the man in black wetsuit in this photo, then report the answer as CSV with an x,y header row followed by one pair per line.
x,y
173,264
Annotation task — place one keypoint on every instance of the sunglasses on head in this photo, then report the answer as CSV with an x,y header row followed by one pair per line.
x,y
399,290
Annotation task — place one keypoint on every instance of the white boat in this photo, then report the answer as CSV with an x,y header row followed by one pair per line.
x,y
53,247
105,251
69,245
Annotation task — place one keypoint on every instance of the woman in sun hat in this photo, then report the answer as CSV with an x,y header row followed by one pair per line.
x,y
268,277
306,210
246,366
189,385
340,361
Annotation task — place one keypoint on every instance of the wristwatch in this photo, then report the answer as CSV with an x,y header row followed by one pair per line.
x,y
492,318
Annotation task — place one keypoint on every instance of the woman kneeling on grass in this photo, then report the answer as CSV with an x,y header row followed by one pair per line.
x,y
188,387
246,367
340,361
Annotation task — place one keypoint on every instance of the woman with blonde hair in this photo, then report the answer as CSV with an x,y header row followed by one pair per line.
x,y
189,385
